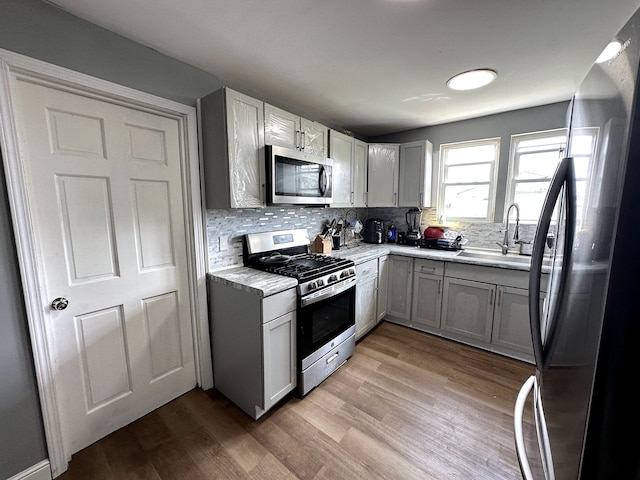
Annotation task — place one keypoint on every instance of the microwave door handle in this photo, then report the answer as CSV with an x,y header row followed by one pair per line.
x,y
323,180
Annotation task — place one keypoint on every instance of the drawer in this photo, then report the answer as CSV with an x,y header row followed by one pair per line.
x,y
432,267
367,269
496,275
277,305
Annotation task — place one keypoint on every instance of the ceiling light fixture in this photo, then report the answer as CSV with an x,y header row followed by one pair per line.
x,y
472,79
609,52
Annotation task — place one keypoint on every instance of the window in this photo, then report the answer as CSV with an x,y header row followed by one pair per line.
x,y
533,161
468,171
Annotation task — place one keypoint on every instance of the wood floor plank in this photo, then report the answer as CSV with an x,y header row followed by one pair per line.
x,y
407,405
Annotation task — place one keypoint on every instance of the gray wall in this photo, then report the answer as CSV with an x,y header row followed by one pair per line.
x,y
502,125
38,30
41,31
22,441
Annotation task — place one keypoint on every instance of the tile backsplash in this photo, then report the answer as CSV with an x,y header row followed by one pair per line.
x,y
226,228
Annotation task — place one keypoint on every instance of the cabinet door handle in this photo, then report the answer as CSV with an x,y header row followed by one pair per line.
x,y
421,199
439,287
424,269
499,296
303,141
297,140
491,297
351,198
395,198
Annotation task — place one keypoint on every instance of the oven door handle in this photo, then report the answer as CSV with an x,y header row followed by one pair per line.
x,y
334,290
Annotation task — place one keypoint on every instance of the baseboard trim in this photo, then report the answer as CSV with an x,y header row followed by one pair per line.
x,y
39,471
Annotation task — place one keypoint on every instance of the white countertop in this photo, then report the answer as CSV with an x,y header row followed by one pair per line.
x,y
253,281
265,284
363,252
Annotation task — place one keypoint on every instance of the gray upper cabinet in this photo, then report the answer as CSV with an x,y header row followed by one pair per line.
x,y
287,130
414,183
349,170
341,150
233,150
359,173
382,175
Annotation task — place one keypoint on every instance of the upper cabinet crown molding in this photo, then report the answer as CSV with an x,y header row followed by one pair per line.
x,y
292,131
233,150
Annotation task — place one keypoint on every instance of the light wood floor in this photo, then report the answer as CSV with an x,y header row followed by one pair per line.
x,y
407,405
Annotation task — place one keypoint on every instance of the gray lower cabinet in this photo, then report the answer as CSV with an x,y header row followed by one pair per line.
x,y
468,308
427,294
383,285
366,297
400,287
511,327
253,342
489,307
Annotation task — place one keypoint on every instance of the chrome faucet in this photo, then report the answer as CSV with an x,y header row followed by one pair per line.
x,y
505,242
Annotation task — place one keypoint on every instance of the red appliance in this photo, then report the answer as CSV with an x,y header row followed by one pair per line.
x,y
432,233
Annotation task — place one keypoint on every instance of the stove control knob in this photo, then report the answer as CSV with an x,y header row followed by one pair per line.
x,y
344,274
320,282
333,278
352,271
312,286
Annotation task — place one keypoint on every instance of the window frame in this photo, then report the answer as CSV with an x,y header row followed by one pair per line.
x,y
493,179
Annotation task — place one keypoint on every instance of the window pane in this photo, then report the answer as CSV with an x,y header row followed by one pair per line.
x,y
466,201
537,165
530,197
477,153
581,165
581,192
544,143
468,173
582,144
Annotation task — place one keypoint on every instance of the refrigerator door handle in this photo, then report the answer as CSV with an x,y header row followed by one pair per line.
x,y
563,177
518,418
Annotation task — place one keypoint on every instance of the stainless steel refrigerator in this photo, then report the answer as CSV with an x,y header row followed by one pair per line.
x,y
578,416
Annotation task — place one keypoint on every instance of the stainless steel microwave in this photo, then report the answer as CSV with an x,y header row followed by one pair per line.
x,y
297,178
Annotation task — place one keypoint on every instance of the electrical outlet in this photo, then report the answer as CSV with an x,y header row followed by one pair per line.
x,y
223,244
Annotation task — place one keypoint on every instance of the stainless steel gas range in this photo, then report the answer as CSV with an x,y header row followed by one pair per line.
x,y
326,300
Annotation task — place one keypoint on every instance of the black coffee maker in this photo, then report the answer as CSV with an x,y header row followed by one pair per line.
x,y
413,235
374,231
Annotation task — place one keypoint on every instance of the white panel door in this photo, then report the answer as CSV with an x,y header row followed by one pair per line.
x,y
104,186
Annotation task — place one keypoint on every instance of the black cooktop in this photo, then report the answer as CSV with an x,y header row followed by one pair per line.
x,y
304,266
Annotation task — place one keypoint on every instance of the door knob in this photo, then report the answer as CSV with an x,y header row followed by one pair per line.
x,y
59,303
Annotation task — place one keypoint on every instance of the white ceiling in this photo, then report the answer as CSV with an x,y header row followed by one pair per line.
x,y
376,66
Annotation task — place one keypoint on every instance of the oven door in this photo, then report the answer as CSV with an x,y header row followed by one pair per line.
x,y
297,178
324,318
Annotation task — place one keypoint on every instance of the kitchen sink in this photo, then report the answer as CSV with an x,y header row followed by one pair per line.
x,y
495,256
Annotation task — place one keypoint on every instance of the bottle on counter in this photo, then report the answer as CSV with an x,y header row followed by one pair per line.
x,y
391,234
